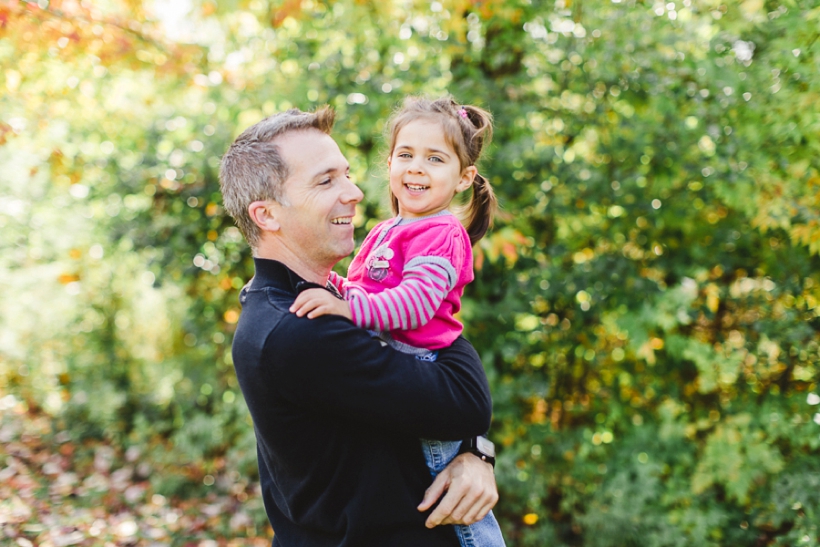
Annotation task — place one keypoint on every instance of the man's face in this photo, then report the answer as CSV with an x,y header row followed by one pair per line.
x,y
319,200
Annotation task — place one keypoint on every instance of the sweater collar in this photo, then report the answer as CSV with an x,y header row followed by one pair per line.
x,y
272,273
403,220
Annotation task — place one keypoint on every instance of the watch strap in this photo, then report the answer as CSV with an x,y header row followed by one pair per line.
x,y
479,446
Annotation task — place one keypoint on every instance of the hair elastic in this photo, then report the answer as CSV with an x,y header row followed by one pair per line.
x,y
462,112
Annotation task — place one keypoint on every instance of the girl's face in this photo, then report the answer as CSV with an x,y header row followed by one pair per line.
x,y
425,173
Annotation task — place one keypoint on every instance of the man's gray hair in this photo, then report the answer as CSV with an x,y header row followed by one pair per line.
x,y
253,169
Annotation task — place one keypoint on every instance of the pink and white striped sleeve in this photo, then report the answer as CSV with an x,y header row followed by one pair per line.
x,y
412,303
338,281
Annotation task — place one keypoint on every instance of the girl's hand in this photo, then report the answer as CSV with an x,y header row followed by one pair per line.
x,y
318,302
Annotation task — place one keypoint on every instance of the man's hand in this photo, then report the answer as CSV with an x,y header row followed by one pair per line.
x,y
318,302
470,489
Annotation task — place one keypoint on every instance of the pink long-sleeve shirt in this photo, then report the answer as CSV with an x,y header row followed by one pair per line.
x,y
408,279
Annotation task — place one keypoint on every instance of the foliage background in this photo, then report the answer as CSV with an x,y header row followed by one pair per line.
x,y
646,305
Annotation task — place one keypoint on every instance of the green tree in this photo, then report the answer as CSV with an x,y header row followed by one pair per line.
x,y
646,305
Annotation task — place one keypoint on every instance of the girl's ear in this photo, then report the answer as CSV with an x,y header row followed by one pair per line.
x,y
467,178
263,215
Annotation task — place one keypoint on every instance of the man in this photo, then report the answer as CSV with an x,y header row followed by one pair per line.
x,y
338,416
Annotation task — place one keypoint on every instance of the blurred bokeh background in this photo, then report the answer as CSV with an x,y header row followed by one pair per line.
x,y
646,305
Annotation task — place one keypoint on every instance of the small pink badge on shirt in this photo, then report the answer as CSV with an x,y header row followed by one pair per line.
x,y
377,263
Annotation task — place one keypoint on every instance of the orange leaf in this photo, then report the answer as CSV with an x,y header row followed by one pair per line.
x,y
65,279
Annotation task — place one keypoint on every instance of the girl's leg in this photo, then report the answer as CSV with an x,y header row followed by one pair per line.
x,y
484,533
437,454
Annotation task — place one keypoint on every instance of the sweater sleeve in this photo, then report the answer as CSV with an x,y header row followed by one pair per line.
x,y
412,303
337,369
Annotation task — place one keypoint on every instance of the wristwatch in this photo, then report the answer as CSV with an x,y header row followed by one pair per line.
x,y
480,446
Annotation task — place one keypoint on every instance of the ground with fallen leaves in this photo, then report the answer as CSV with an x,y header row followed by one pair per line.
x,y
55,492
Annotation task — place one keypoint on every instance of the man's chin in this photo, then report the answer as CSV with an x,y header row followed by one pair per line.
x,y
344,249
348,252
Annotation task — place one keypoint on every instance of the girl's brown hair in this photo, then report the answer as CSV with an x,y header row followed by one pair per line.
x,y
467,129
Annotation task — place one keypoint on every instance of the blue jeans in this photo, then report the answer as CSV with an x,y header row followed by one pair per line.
x,y
484,533
437,454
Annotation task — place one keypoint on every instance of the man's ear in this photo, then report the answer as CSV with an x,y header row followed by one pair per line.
x,y
263,215
467,178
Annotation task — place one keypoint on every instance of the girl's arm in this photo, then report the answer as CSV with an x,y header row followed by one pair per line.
x,y
409,305
338,281
317,302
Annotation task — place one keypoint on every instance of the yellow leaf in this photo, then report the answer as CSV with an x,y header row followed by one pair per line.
x,y
530,519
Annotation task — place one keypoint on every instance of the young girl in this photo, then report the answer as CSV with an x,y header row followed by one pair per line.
x,y
407,280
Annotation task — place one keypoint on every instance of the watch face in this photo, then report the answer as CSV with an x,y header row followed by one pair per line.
x,y
485,446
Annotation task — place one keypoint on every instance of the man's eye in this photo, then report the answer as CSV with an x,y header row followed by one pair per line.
x,y
326,181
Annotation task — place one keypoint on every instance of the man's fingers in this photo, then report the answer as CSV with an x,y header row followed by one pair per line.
x,y
434,492
443,512
470,492
467,512
485,510
452,496
465,504
476,512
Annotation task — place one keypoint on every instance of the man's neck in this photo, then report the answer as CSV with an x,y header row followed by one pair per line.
x,y
309,272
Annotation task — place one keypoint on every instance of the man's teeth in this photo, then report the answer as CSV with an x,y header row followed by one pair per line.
x,y
344,220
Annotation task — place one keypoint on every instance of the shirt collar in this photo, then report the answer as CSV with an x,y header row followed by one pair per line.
x,y
272,273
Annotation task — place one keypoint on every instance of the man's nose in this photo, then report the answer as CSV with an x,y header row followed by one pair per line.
x,y
351,193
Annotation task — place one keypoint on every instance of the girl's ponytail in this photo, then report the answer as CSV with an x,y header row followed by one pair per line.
x,y
477,130
481,209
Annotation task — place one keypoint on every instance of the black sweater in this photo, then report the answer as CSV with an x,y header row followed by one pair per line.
x,y
338,417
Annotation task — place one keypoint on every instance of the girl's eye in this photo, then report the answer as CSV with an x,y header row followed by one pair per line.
x,y
404,155
435,158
